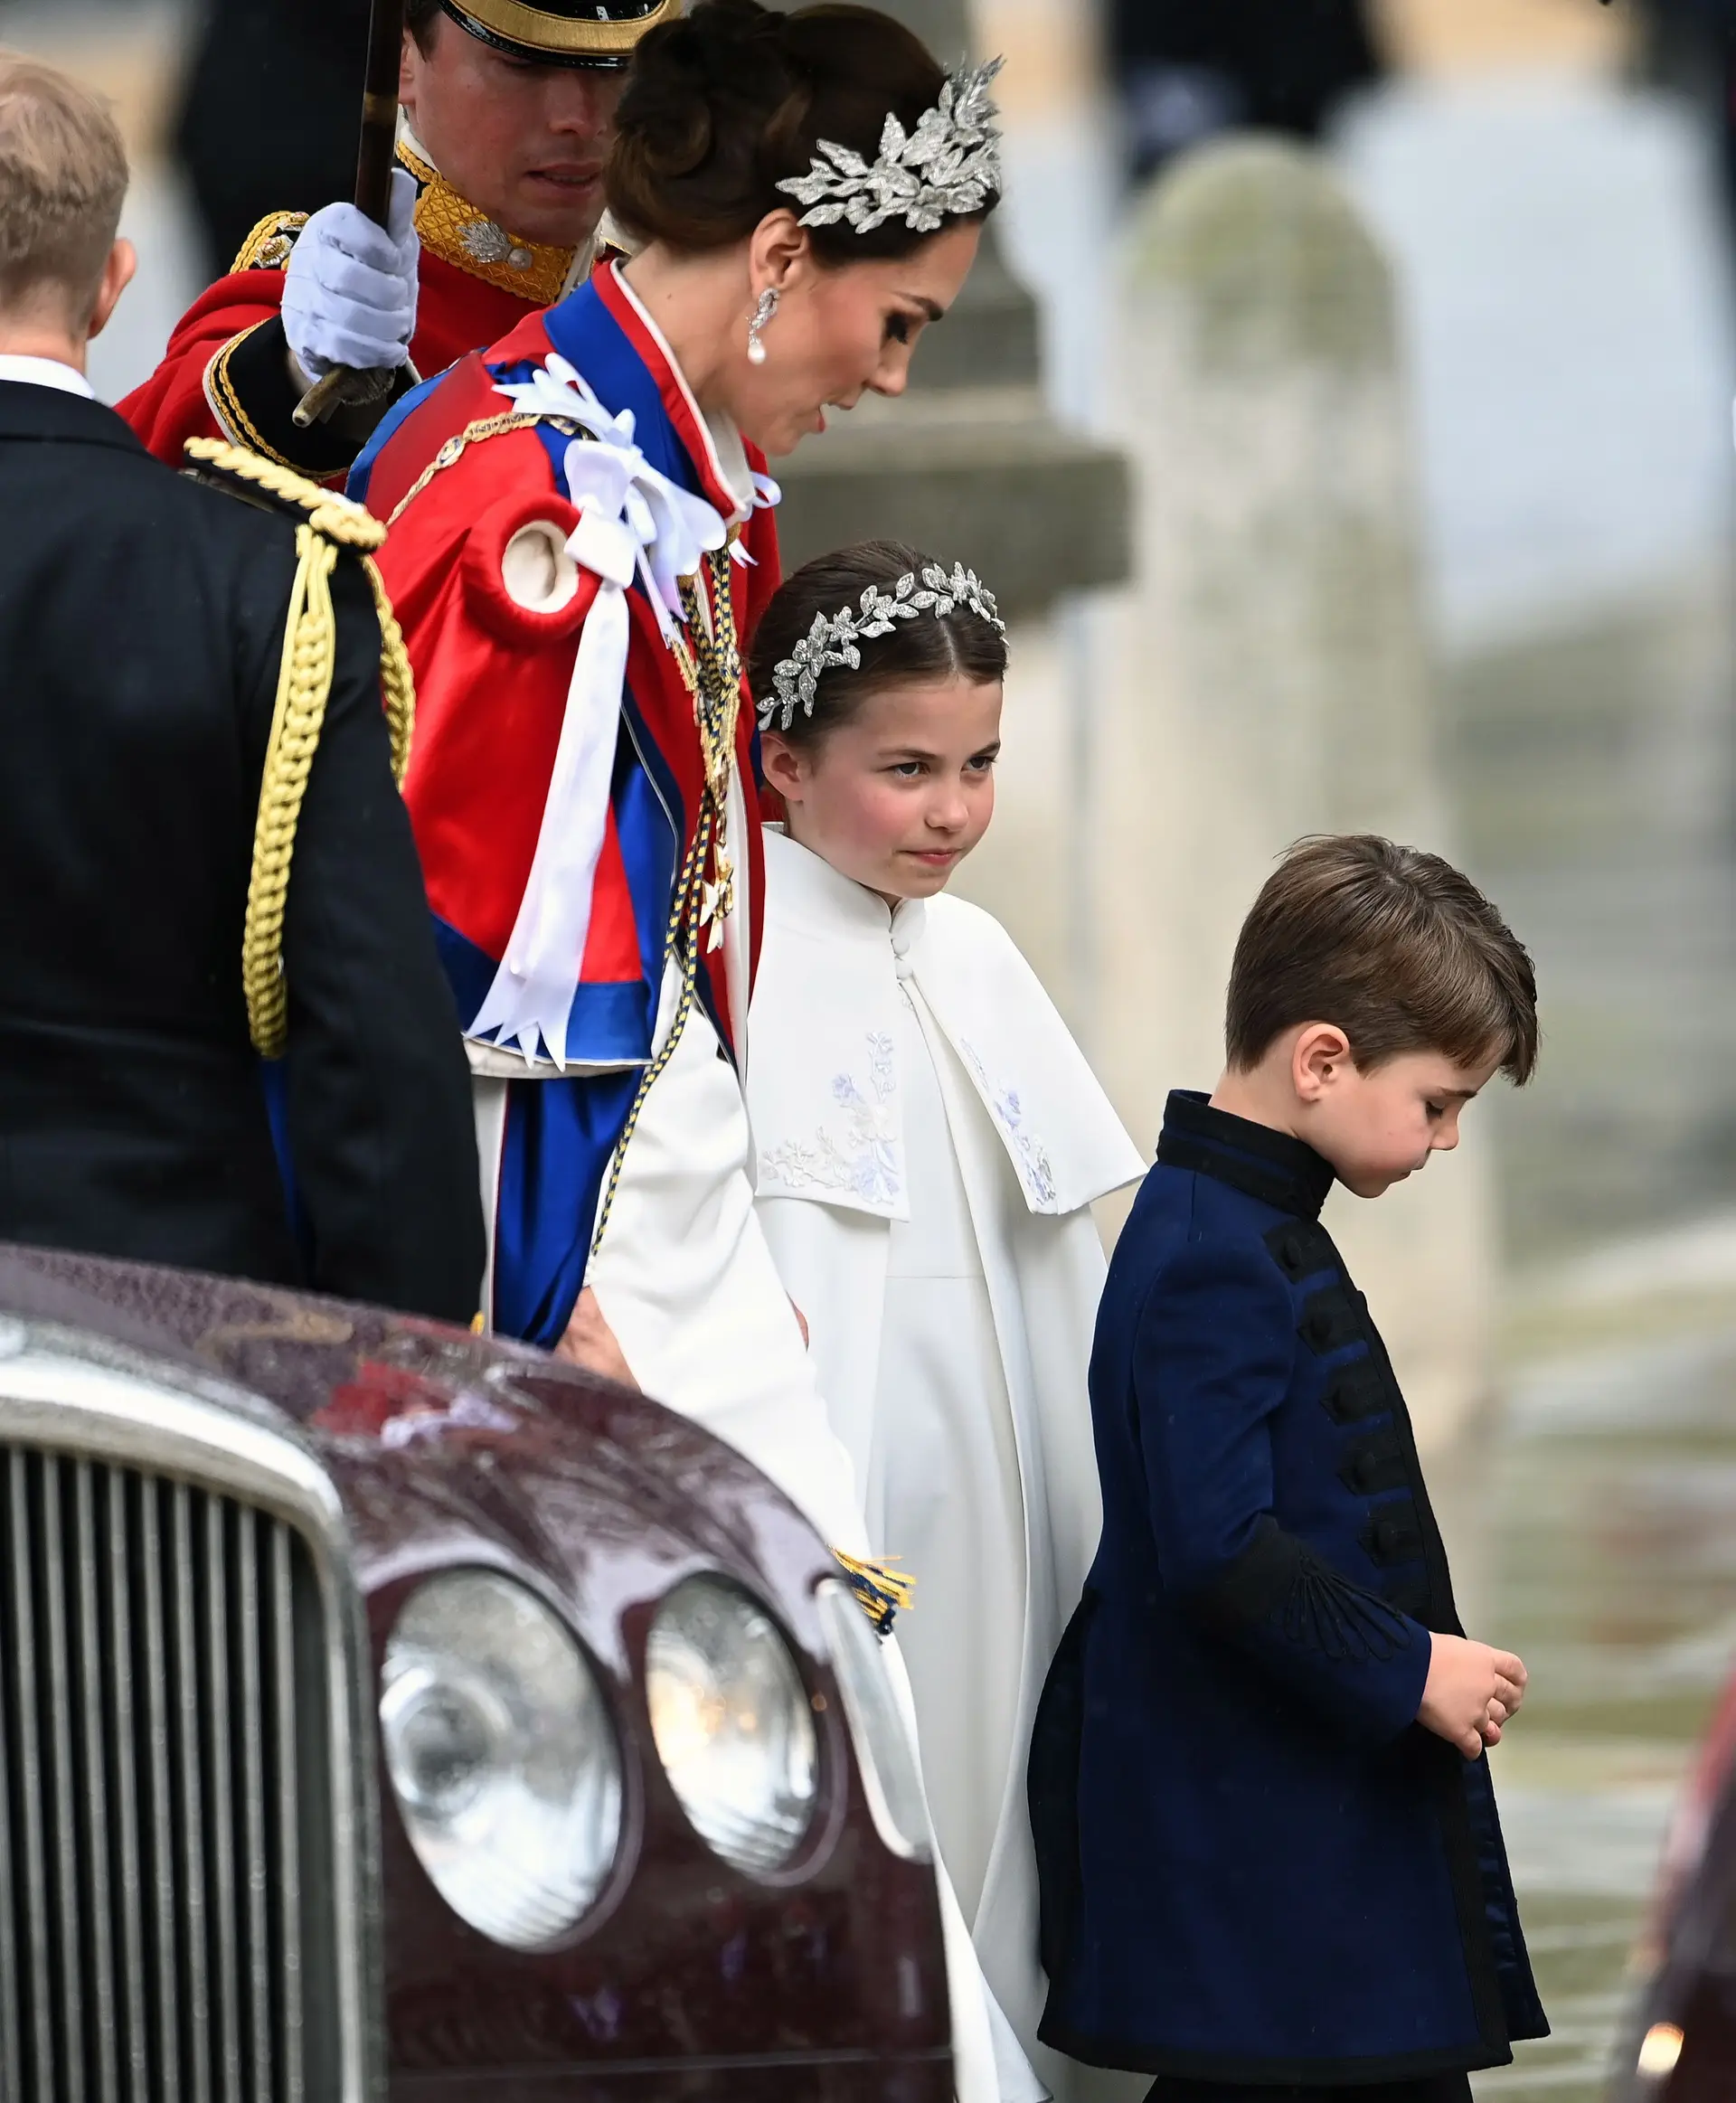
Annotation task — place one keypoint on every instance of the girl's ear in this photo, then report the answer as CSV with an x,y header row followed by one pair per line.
x,y
784,767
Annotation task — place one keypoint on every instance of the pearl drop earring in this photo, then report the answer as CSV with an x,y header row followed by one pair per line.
x,y
757,323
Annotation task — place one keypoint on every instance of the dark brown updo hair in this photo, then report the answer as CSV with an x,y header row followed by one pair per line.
x,y
931,646
724,103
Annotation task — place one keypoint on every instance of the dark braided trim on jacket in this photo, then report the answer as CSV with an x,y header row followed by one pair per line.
x,y
1279,1585
254,399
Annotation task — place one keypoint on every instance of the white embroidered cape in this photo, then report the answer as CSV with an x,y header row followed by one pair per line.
x,y
821,1084
825,1098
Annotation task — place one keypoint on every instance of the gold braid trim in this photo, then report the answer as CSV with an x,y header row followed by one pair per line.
x,y
454,448
271,242
230,412
331,522
334,516
450,227
540,32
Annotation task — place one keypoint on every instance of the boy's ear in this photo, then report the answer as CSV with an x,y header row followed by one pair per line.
x,y
1317,1058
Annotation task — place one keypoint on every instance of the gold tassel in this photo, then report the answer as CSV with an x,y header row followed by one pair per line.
x,y
303,688
882,1593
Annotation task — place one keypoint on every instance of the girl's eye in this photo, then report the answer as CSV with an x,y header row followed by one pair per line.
x,y
1437,1109
907,770
983,763
898,328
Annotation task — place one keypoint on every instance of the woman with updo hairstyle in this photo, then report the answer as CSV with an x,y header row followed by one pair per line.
x,y
729,101
581,537
783,296
929,1143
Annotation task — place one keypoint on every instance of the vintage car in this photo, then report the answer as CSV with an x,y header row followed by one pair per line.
x,y
1680,2043
386,1711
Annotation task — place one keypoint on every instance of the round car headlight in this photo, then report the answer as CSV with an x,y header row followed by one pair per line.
x,y
502,1755
732,1721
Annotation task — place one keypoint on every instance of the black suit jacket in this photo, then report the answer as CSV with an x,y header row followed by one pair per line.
x,y
141,627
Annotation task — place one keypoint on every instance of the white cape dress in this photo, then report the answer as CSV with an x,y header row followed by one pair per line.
x,y
929,1141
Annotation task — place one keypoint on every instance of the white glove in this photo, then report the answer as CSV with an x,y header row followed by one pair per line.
x,y
349,296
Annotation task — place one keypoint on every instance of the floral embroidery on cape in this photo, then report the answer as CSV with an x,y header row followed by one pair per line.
x,y
1029,1157
867,1163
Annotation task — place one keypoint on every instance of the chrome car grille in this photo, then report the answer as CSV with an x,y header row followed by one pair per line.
x,y
166,1822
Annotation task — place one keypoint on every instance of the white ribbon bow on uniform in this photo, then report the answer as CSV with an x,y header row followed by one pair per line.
x,y
633,520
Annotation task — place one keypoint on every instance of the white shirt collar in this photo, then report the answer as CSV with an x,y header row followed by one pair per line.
x,y
45,372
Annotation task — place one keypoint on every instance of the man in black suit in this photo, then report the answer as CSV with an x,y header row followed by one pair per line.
x,y
145,693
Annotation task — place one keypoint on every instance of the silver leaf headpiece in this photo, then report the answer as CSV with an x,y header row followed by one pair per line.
x,y
949,165
835,639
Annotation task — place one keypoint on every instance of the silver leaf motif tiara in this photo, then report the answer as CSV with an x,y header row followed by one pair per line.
x,y
835,639
949,165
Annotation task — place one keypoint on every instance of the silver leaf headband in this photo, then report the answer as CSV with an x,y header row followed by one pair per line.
x,y
833,639
949,165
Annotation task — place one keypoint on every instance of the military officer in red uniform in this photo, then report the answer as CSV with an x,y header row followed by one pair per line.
x,y
509,111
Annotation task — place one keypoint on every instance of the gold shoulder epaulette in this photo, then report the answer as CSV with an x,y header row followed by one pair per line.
x,y
325,523
270,244
334,516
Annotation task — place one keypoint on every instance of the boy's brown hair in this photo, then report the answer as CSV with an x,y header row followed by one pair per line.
x,y
62,182
1391,946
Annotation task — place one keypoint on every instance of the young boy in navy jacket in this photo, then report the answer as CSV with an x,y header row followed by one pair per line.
x,y
1268,1847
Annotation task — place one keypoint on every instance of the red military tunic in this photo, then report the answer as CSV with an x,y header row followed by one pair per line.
x,y
226,371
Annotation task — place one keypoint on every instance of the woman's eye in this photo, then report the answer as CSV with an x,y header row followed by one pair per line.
x,y
907,770
983,763
898,328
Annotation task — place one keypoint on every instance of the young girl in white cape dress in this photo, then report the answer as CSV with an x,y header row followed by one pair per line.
x,y
929,1140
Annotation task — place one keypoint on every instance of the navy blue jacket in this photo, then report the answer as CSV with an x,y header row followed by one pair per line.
x,y
1256,1866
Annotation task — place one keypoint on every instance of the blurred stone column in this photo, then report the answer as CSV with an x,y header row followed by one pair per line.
x,y
1273,674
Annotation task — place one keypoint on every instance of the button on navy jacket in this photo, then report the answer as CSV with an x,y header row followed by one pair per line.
x,y
1256,1866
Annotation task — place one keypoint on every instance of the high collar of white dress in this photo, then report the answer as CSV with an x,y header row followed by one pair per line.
x,y
45,372
822,1083
814,896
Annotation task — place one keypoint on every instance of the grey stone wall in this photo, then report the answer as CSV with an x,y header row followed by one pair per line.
x,y
1271,677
